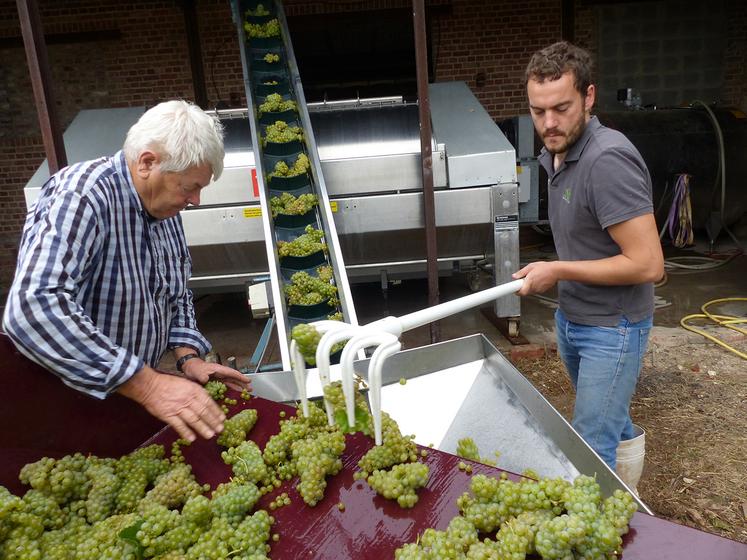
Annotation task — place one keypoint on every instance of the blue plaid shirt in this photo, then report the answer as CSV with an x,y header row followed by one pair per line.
x,y
101,286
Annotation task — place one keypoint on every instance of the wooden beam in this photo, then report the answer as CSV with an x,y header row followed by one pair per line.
x,y
429,202
41,81
195,52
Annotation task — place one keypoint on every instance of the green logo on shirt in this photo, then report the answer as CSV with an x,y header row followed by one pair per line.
x,y
567,195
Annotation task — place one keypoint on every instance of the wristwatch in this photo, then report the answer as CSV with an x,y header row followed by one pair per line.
x,y
180,362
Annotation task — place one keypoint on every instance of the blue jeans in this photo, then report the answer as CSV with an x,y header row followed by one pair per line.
x,y
603,364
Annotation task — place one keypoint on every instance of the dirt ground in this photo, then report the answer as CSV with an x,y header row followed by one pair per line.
x,y
692,401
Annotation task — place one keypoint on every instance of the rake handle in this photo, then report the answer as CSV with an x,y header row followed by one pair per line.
x,y
398,325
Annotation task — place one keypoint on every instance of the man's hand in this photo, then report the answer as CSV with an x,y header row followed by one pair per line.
x,y
181,403
538,277
201,372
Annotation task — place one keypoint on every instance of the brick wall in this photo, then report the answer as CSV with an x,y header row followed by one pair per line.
x,y
488,44
735,63
19,160
483,42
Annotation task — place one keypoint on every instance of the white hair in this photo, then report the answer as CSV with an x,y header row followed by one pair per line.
x,y
181,133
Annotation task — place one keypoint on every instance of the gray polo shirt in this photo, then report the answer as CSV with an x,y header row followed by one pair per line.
x,y
602,182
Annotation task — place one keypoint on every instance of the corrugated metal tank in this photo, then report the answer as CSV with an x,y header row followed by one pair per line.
x,y
685,140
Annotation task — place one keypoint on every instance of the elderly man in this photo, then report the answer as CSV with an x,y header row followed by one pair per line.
x,y
100,291
609,254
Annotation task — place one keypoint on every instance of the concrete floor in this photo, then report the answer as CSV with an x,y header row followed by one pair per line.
x,y
226,320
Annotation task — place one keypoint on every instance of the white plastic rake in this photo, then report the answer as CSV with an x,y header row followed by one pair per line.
x,y
384,334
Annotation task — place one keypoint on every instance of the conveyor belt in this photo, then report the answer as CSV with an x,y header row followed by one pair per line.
x,y
261,79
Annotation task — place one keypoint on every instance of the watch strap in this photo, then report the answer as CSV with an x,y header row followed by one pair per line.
x,y
180,362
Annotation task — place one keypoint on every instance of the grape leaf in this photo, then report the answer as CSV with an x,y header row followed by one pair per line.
x,y
341,419
129,535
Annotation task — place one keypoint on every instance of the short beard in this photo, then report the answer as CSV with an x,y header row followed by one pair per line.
x,y
571,138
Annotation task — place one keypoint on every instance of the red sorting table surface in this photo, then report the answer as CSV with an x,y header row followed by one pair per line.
x,y
372,527
40,416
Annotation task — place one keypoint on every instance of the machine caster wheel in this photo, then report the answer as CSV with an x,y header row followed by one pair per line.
x,y
513,328
473,281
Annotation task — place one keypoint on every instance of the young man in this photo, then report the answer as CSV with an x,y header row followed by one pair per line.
x,y
605,234
100,291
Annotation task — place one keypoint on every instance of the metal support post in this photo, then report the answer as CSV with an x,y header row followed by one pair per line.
x,y
429,203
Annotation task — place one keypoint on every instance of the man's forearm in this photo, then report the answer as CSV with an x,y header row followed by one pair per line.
x,y
611,271
139,387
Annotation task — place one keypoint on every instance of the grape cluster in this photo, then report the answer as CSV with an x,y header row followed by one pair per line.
x,y
467,448
246,462
299,167
156,532
277,451
290,205
102,496
216,389
232,500
274,103
259,10
78,505
262,30
394,449
552,518
281,132
305,289
63,479
174,487
177,456
35,503
307,338
306,244
459,540
137,471
235,428
280,500
271,58
308,448
400,483
315,458
246,540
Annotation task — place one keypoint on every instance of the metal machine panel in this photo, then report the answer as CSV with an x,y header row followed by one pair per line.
x,y
372,149
478,152
505,208
231,224
376,174
92,134
395,212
